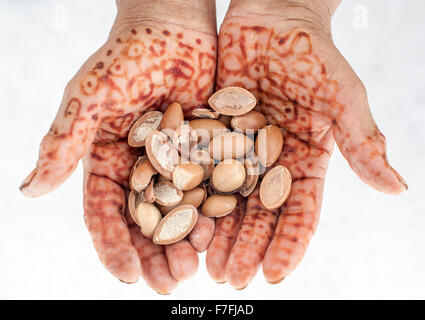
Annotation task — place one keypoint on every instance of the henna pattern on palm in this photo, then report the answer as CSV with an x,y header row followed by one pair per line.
x,y
142,70
295,92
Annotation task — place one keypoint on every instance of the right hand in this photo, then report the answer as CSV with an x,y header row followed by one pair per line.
x,y
146,64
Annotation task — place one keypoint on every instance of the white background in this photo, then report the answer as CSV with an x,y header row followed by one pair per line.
x,y
368,245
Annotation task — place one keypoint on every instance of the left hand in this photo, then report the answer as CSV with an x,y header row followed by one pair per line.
x,y
283,53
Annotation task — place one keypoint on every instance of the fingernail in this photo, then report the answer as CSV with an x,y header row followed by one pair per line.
x,y
400,178
27,180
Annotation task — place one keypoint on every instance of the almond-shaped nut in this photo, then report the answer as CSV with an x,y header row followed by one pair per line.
x,y
218,205
140,130
205,113
176,225
141,174
173,117
134,199
185,139
148,217
207,129
232,101
167,194
275,187
230,145
228,175
195,197
187,176
161,153
203,158
251,121
268,145
252,174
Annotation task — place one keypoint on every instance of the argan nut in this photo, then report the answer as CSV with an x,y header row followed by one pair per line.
x,y
230,145
268,145
176,225
173,117
252,171
203,158
218,205
205,113
167,194
149,193
148,217
228,175
161,153
141,174
134,199
275,187
185,139
187,176
140,130
195,197
232,101
207,129
251,121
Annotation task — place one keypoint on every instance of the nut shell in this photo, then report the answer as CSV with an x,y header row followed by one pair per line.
x,y
252,170
232,101
251,121
140,130
167,194
141,174
275,187
161,153
203,158
269,145
205,113
176,225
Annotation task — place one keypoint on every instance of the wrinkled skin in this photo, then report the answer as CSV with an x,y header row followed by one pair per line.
x,y
305,87
140,68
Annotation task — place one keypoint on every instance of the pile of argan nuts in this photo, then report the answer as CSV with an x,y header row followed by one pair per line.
x,y
202,163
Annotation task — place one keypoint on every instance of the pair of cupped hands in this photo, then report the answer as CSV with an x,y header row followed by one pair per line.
x,y
163,51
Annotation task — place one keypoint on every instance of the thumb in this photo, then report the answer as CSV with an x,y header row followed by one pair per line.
x,y
70,135
360,140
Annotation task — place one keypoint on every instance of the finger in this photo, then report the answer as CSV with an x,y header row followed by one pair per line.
x,y
71,133
155,269
295,227
202,234
299,216
182,259
355,131
226,230
104,204
251,243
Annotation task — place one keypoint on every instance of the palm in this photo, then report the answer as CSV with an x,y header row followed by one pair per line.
x,y
283,68
141,69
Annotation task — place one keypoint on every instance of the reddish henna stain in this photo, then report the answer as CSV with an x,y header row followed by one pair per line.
x,y
166,33
119,40
94,117
99,65
109,52
148,30
133,31
198,41
179,35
